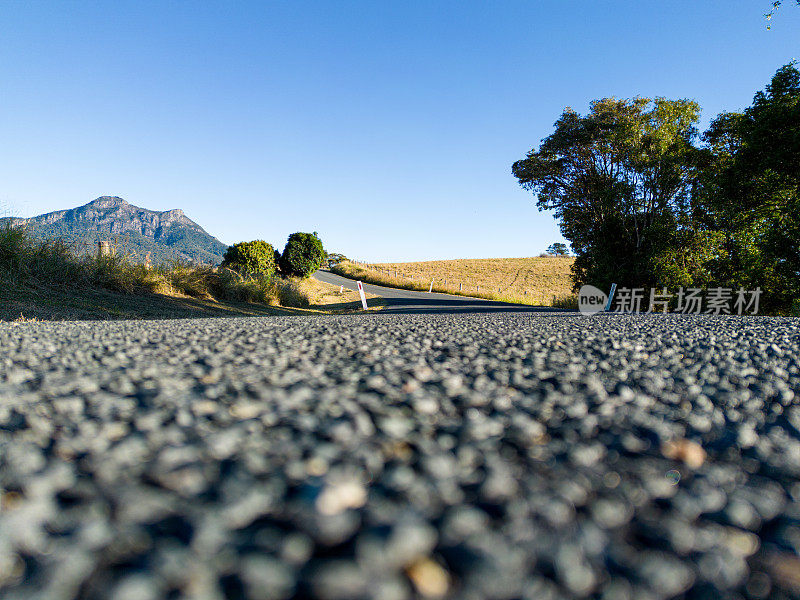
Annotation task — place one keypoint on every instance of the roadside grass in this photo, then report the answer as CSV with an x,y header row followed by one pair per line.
x,y
325,296
537,281
40,276
32,301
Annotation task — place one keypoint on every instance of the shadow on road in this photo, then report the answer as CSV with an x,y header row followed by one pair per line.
x,y
419,305
347,307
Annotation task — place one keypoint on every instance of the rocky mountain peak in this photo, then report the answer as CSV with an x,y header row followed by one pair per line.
x,y
169,234
107,202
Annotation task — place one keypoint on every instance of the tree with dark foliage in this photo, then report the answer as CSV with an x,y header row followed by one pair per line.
x,y
302,255
753,190
644,206
558,249
620,182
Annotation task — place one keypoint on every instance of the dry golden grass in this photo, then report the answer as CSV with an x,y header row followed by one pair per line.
x,y
543,281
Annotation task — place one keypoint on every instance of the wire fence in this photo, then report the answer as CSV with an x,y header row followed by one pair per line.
x,y
445,284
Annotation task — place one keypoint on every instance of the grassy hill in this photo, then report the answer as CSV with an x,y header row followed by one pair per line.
x,y
536,280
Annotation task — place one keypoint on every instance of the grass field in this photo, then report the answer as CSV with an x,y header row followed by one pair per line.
x,y
543,281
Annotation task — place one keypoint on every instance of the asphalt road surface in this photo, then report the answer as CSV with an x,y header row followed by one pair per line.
x,y
399,301
391,456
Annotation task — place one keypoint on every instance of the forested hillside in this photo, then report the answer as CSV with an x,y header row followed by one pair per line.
x,y
133,231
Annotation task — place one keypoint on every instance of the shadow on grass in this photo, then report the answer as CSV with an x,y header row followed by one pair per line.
x,y
52,302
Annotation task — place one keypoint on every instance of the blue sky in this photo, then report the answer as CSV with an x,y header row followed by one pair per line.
x,y
388,127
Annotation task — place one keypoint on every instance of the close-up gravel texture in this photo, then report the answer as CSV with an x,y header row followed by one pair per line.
x,y
534,456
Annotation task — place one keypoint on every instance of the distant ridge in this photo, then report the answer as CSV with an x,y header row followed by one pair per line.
x,y
166,235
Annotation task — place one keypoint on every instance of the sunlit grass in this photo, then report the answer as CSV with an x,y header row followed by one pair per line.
x,y
540,281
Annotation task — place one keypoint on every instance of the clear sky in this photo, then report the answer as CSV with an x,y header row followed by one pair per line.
x,y
388,127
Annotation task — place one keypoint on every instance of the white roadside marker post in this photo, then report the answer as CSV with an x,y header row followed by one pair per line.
x,y
430,289
363,297
341,289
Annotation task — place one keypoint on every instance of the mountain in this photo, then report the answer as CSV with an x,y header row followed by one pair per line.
x,y
168,235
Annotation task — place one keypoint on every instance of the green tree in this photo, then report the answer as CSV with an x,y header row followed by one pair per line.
x,y
558,249
621,183
254,258
302,255
753,190
334,258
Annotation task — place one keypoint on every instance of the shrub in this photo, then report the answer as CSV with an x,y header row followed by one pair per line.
x,y
251,258
302,255
113,273
230,285
13,248
291,294
22,257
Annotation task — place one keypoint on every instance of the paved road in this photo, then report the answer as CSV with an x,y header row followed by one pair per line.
x,y
384,456
399,301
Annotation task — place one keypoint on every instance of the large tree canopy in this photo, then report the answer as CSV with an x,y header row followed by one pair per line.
x,y
643,205
753,188
620,181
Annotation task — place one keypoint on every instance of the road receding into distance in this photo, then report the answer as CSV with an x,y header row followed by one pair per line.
x,y
398,301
